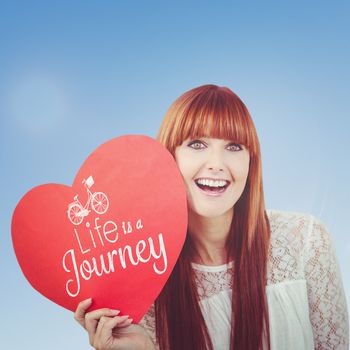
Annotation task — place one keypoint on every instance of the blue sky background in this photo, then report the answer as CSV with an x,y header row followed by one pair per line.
x,y
75,74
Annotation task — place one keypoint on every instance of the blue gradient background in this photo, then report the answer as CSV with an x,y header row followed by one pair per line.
x,y
75,74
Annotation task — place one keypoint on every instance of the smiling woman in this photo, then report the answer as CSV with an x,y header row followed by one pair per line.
x,y
215,172
247,277
232,226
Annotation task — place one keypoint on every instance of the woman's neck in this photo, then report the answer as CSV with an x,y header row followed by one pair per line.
x,y
209,235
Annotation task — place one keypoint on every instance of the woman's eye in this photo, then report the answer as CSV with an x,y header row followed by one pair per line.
x,y
234,147
196,144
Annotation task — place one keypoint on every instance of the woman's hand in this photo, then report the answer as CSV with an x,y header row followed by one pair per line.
x,y
108,331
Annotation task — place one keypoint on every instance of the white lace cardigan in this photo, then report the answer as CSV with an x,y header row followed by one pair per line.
x,y
306,301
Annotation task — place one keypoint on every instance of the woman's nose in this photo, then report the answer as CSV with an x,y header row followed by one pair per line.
x,y
215,161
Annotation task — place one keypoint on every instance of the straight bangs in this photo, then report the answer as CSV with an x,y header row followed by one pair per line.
x,y
216,113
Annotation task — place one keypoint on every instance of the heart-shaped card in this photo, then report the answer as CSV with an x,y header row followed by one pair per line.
x,y
114,235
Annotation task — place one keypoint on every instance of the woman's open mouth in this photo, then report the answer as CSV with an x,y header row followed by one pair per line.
x,y
212,186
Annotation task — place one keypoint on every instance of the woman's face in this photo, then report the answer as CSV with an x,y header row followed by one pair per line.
x,y
215,173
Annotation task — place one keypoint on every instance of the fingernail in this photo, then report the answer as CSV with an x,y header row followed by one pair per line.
x,y
88,300
130,320
116,312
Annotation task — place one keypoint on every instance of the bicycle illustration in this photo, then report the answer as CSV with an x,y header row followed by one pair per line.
x,y
98,200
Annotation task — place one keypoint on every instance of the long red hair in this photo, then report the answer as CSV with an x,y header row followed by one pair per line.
x,y
212,111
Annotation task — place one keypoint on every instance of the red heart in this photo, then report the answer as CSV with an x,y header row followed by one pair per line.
x,y
130,215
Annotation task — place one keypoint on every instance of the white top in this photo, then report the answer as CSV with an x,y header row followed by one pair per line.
x,y
305,295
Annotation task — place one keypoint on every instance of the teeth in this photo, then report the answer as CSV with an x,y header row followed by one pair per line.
x,y
211,183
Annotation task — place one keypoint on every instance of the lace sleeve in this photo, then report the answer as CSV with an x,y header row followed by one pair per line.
x,y
327,304
149,323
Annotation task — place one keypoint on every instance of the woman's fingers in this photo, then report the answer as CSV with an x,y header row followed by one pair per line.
x,y
127,322
93,318
80,312
105,327
100,323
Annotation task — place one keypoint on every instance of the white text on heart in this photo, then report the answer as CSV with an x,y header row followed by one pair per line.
x,y
106,264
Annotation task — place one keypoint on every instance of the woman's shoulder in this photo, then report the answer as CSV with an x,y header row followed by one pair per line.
x,y
284,215
290,223
290,232
294,223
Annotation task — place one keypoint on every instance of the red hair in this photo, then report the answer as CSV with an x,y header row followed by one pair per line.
x,y
212,111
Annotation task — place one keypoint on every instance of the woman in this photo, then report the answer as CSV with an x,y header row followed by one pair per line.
x,y
246,278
